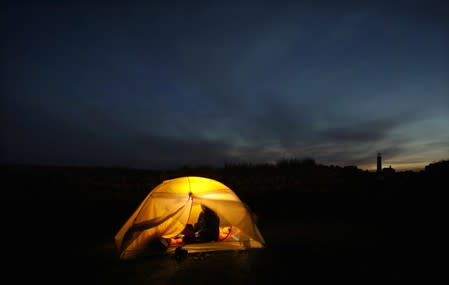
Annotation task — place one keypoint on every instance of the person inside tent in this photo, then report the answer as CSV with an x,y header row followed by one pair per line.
x,y
206,229
207,226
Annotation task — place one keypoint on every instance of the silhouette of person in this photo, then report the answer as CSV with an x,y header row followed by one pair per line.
x,y
207,227
188,234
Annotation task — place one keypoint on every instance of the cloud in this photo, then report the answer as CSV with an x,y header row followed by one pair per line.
x,y
155,85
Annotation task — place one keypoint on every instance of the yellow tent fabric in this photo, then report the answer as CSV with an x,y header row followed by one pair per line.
x,y
171,205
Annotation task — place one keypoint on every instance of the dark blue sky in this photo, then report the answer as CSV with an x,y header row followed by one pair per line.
x,y
156,84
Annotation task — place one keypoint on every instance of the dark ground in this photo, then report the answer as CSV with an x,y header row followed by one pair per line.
x,y
305,252
311,238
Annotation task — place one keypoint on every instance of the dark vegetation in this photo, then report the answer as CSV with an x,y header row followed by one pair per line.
x,y
52,212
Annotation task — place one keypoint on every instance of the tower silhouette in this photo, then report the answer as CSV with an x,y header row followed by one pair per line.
x,y
379,163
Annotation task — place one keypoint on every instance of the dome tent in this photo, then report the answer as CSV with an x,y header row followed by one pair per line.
x,y
173,204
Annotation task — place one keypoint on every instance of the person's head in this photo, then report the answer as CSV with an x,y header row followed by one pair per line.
x,y
206,209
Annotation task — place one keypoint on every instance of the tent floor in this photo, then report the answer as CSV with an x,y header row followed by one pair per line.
x,y
211,246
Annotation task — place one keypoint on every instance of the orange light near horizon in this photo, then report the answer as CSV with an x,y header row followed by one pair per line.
x,y
398,166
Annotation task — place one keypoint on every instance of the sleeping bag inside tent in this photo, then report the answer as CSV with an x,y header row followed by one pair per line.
x,y
163,218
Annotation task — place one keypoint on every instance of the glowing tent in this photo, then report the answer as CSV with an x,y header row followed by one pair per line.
x,y
173,204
